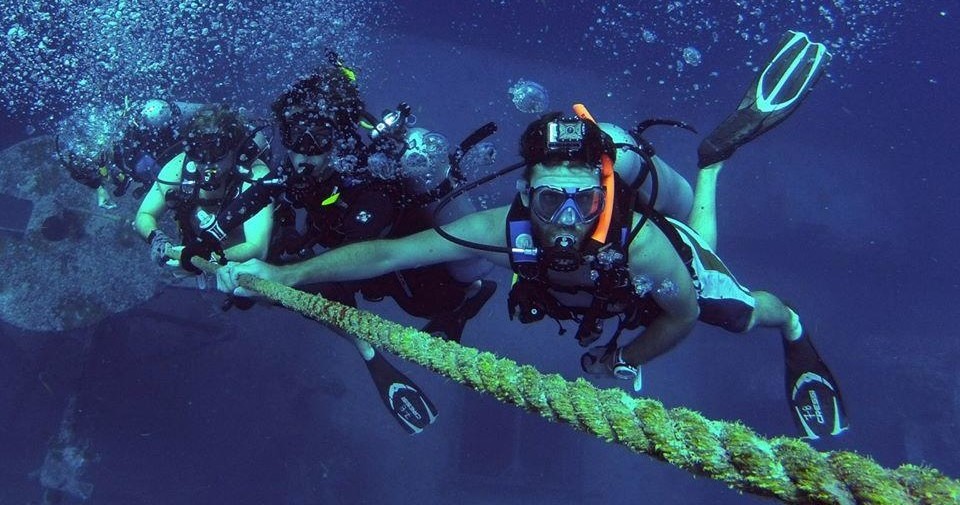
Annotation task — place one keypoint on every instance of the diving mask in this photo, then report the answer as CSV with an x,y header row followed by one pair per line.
x,y
567,206
207,148
307,133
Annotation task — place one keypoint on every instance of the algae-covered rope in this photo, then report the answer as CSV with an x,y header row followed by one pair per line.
x,y
784,468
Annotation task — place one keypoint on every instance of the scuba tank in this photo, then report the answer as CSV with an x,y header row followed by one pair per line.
x,y
672,196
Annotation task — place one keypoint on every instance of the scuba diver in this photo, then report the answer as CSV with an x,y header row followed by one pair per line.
x,y
585,248
331,187
221,156
147,137
151,138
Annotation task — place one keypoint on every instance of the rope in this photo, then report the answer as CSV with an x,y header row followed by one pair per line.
x,y
787,469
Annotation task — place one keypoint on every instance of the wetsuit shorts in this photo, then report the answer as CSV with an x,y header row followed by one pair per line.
x,y
723,301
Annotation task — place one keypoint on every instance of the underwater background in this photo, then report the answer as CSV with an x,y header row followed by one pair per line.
x,y
847,210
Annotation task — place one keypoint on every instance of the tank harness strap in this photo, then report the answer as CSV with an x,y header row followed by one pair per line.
x,y
670,231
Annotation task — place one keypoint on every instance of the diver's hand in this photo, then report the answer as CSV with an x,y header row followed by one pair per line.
x,y
173,257
229,274
205,246
607,361
159,245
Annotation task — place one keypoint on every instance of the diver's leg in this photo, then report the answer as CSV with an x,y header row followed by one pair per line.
x,y
813,394
771,312
408,404
703,215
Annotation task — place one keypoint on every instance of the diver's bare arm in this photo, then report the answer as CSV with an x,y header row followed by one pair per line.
x,y
364,260
256,230
663,334
674,293
154,203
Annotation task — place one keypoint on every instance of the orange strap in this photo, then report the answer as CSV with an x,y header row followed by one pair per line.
x,y
606,180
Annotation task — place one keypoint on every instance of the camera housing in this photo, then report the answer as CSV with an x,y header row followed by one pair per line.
x,y
566,134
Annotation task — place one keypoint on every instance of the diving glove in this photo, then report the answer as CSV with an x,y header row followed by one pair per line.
x,y
159,242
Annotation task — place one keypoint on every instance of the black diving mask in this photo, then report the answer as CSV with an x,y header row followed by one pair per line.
x,y
208,148
568,205
306,133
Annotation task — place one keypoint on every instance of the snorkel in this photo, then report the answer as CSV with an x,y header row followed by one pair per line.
x,y
599,235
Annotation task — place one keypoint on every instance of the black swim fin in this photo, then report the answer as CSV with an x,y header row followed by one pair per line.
x,y
450,326
413,410
814,396
795,66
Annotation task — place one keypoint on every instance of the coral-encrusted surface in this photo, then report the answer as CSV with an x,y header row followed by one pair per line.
x,y
97,267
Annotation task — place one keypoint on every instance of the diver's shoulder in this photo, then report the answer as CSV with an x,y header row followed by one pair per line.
x,y
650,244
494,219
171,171
482,224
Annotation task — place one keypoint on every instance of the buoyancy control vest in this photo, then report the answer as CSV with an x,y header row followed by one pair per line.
x,y
191,209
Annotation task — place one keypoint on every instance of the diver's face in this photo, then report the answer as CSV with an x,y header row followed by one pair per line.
x,y
310,165
566,175
211,174
309,138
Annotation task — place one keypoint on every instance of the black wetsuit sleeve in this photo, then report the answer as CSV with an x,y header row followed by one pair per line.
x,y
244,206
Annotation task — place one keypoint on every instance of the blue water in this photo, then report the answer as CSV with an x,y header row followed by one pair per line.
x,y
847,210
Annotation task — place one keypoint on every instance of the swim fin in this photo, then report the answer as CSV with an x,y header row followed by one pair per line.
x,y
815,402
449,326
796,65
413,410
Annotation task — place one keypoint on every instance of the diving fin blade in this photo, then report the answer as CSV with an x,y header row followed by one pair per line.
x,y
403,398
814,396
788,77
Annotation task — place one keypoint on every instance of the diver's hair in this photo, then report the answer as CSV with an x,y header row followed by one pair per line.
x,y
328,92
533,142
217,119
